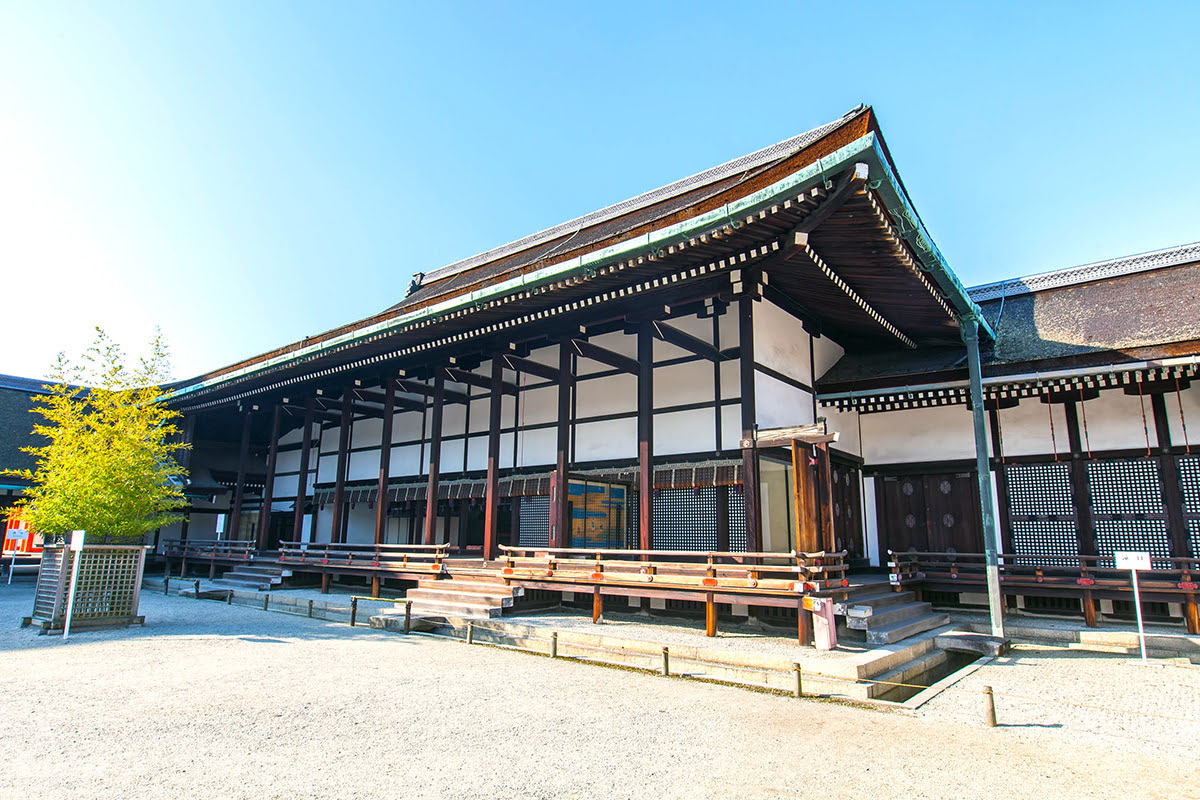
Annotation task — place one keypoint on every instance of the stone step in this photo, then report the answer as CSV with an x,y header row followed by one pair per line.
x,y
889,615
455,596
876,602
243,583
474,587
446,608
902,630
237,574
254,569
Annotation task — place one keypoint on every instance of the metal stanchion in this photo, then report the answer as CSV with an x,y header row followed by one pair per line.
x,y
197,583
266,601
310,607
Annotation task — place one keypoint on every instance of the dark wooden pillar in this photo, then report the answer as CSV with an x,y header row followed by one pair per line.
x,y
514,530
435,458
1168,472
751,492
645,422
491,518
1085,524
343,459
188,436
560,522
385,461
302,483
268,493
1003,511
234,520
825,497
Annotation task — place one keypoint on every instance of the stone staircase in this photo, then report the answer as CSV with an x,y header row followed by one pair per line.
x,y
465,597
885,616
259,577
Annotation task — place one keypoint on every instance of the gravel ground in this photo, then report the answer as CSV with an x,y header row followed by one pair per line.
x,y
214,701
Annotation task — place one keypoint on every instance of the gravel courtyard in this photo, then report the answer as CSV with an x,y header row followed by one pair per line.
x,y
230,702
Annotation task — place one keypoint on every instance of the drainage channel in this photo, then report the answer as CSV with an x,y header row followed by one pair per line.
x,y
942,665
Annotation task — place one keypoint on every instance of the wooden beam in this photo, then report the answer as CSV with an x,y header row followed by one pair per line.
x,y
268,493
850,182
402,403
310,409
385,464
645,424
355,408
686,341
339,479
605,356
415,387
435,458
479,381
302,480
234,521
491,517
530,367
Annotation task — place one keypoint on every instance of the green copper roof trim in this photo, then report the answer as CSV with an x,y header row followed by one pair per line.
x,y
823,167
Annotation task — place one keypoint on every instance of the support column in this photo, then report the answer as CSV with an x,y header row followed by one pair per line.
x,y
302,483
234,520
385,461
645,421
268,493
560,522
991,539
1168,472
751,491
435,458
491,514
343,457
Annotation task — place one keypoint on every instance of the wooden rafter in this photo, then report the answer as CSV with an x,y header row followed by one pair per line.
x,y
479,381
685,341
851,181
605,356
531,367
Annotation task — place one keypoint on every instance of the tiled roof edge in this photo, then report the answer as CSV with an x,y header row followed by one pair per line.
x,y
1125,265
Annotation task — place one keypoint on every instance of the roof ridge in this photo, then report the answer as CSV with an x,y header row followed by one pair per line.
x,y
745,162
1085,273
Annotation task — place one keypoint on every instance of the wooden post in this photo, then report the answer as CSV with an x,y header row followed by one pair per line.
x,y
645,424
234,520
435,458
710,615
343,458
324,583
751,492
1089,609
385,462
1086,526
268,492
597,604
514,522
1168,471
374,586
825,498
804,503
1191,614
491,514
560,522
804,623
302,481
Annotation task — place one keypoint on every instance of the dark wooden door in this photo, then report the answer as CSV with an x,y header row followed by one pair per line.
x,y
847,509
938,513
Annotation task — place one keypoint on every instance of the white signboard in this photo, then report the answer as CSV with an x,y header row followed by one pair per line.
x,y
1126,560
16,535
76,540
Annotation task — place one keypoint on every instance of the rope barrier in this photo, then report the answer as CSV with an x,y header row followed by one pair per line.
x,y
1145,425
1083,413
1179,398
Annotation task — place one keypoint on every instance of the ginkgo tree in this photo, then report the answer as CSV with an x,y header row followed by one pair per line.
x,y
109,462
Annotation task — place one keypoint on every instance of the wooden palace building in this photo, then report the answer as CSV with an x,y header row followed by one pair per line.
x,y
769,356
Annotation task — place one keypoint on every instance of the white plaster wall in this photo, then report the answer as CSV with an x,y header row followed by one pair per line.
x,y
731,428
845,424
536,448
366,432
922,434
452,456
826,353
731,379
406,426
328,466
454,419
681,384
363,466
538,405
684,432
477,447
1026,428
780,405
870,518
1191,416
615,394
1114,421
406,460
329,438
360,524
610,439
780,342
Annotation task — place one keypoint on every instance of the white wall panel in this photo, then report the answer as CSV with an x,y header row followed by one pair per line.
x,y
870,518
328,467
285,486
537,448
452,457
728,324
366,433
731,427
780,342
477,449
405,461
480,414
923,434
684,432
454,419
406,426
826,353
612,395
731,379
288,462
506,450
1191,416
1114,421
845,424
682,384
1026,428
600,441
329,438
539,405
292,436
363,466
780,405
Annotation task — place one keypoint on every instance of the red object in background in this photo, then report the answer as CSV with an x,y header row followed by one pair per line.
x,y
31,545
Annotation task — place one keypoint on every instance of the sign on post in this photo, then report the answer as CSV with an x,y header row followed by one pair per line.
x,y
16,536
1133,561
77,549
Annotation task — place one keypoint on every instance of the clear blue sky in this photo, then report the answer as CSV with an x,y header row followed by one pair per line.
x,y
245,174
